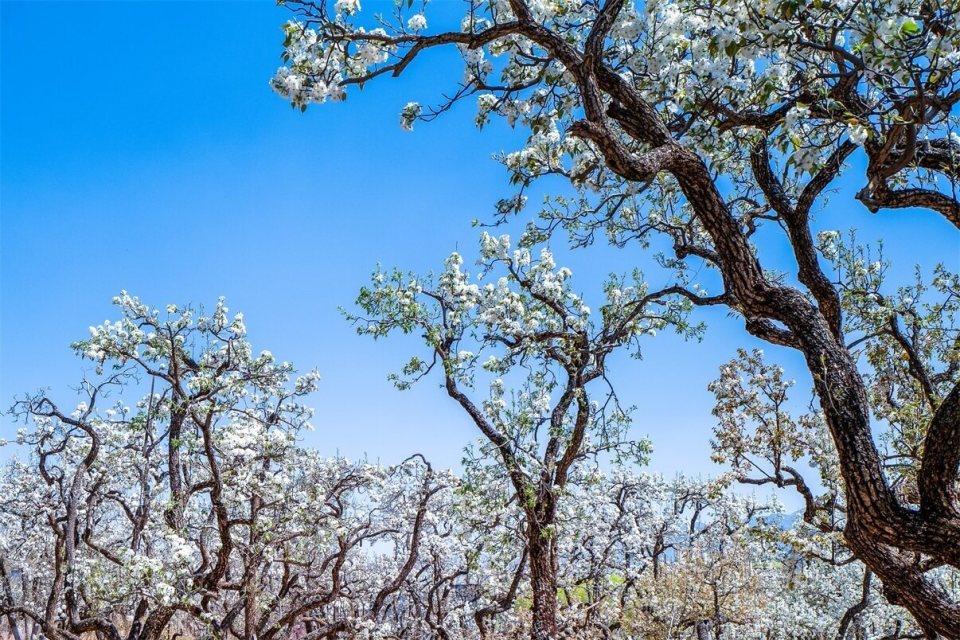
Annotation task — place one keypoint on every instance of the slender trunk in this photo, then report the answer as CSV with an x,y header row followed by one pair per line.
x,y
8,600
543,582
703,630
250,576
137,625
503,603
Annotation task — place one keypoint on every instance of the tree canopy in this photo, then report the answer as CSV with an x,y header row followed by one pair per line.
x,y
705,122
177,499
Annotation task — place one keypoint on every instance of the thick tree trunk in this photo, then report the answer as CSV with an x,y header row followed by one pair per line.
x,y
879,529
542,550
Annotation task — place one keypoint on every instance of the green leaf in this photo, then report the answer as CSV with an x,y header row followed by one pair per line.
x,y
909,28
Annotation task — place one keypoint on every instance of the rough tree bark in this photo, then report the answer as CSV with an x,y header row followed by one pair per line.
x,y
542,547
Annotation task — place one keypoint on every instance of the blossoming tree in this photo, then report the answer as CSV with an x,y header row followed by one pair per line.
x,y
704,122
528,322
193,506
274,541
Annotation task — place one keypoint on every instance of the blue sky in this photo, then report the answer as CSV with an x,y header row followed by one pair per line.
x,y
142,149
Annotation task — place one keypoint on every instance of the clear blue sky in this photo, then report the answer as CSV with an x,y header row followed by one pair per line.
x,y
142,149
